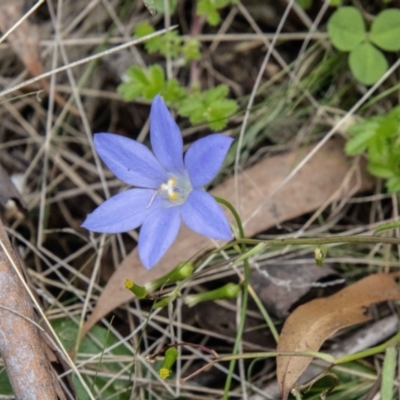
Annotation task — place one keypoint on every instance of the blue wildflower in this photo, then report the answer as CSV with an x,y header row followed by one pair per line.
x,y
168,186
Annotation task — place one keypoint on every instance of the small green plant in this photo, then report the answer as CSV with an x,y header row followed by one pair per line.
x,y
209,9
379,137
209,106
170,44
347,31
155,6
146,84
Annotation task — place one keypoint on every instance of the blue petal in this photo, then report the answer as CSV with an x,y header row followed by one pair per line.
x,y
122,212
158,232
204,158
130,161
165,136
203,214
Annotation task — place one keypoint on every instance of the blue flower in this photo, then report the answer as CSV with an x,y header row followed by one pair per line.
x,y
168,187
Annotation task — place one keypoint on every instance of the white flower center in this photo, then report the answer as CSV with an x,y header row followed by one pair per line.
x,y
176,189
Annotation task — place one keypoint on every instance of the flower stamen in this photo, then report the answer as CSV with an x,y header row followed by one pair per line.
x,y
169,187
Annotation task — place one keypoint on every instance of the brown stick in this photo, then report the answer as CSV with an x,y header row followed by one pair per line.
x,y
21,345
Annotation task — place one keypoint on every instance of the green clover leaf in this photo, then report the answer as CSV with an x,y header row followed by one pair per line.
x,y
346,28
367,63
385,30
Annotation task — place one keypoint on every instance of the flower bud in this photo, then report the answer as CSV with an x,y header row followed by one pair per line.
x,y
171,355
139,291
228,291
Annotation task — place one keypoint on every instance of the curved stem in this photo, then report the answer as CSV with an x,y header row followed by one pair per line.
x,y
245,295
232,209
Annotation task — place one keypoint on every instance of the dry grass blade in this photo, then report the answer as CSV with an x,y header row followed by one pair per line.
x,y
311,324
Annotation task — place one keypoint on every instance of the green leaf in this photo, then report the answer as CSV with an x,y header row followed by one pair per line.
x,y
193,108
157,79
367,63
150,6
385,30
152,45
142,83
209,8
191,49
346,28
379,136
95,343
173,93
170,44
218,116
390,124
143,29
5,385
378,150
209,106
159,5
362,133
393,184
215,94
380,170
304,4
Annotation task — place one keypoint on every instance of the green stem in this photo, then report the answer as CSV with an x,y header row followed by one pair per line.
x,y
322,240
235,214
395,340
260,245
245,295
297,395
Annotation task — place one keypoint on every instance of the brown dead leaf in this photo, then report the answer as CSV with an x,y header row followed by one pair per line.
x,y
319,179
311,324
